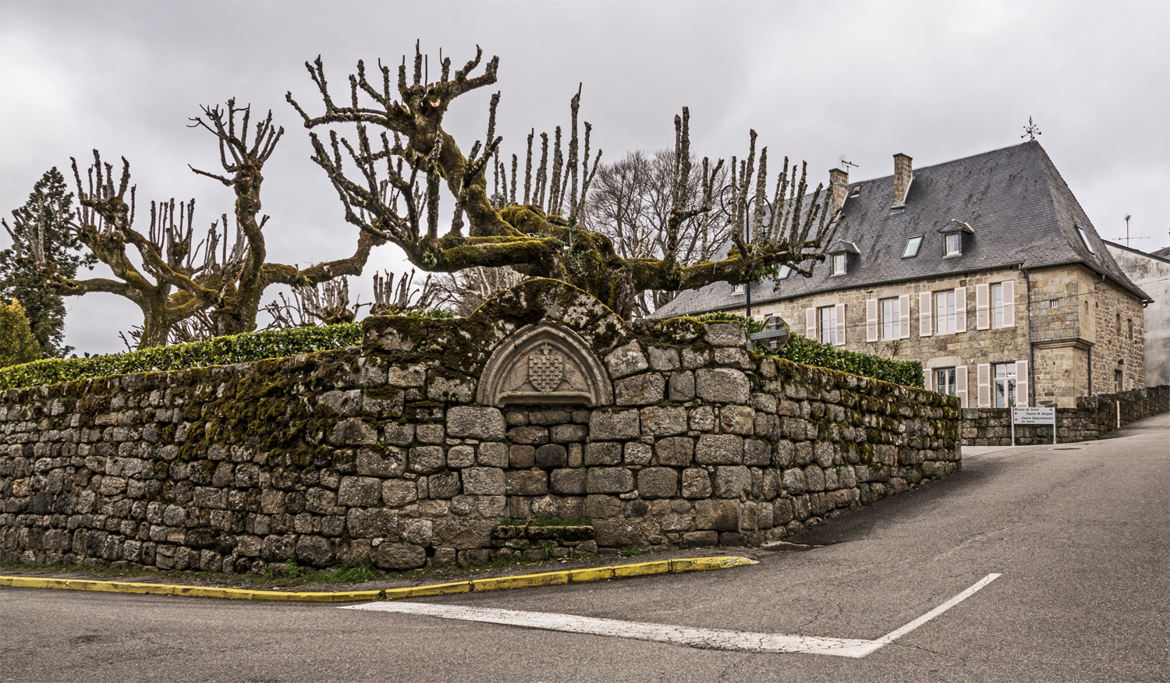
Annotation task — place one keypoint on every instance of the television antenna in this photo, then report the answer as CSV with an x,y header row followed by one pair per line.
x,y
1127,237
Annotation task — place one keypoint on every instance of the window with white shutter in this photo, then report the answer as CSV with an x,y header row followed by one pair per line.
x,y
1009,303
961,385
924,314
810,323
840,325
927,374
983,378
982,317
960,309
827,326
891,318
1021,383
871,320
904,304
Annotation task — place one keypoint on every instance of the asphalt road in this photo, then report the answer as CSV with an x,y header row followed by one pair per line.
x,y
1080,536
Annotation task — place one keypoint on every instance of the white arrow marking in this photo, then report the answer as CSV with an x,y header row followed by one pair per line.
x,y
712,639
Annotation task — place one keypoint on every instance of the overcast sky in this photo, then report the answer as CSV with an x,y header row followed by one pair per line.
x,y
818,80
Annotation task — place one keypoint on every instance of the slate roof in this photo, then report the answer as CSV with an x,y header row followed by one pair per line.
x,y
1020,209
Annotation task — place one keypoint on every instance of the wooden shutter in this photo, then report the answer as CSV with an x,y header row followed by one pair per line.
x,y
840,324
810,323
871,320
904,316
982,309
960,309
961,385
1021,382
983,376
1009,303
924,314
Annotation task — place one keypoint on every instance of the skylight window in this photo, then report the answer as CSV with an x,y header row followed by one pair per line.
x,y
783,273
912,247
1085,239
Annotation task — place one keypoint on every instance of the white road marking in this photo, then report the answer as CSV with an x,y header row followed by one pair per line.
x,y
713,639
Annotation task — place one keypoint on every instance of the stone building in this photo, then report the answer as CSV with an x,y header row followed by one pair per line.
x,y
986,269
1151,272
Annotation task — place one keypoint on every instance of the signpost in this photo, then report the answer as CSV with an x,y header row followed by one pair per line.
x,y
1033,416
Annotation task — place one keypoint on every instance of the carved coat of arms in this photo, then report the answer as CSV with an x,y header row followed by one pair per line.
x,y
546,368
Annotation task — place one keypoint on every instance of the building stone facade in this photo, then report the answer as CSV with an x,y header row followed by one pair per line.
x,y
984,269
1151,272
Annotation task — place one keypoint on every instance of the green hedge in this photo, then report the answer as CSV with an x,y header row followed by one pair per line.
x,y
801,349
239,348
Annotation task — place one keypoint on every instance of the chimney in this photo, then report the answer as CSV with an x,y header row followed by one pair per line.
x,y
903,176
838,189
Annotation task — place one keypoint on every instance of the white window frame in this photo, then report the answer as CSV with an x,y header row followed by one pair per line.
x,y
997,320
890,318
827,325
840,263
945,310
953,242
1005,385
945,380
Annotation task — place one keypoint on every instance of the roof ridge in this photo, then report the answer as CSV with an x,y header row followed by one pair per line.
x,y
955,161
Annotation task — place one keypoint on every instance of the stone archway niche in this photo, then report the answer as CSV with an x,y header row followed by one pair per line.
x,y
544,365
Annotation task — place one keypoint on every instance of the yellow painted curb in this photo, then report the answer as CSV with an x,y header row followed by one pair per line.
x,y
688,564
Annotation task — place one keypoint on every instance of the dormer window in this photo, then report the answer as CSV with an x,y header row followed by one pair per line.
x,y
955,244
955,234
737,290
842,252
912,246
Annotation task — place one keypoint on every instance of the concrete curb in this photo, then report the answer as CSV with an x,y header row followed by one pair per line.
x,y
620,571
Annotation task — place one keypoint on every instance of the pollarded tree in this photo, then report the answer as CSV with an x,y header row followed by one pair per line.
x,y
236,295
166,272
390,175
42,226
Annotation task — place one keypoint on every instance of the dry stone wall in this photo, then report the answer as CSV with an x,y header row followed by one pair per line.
x,y
542,425
1093,418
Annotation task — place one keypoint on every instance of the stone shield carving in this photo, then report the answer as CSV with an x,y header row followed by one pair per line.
x,y
544,364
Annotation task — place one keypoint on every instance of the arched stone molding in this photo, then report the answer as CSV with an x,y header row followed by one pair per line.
x,y
544,364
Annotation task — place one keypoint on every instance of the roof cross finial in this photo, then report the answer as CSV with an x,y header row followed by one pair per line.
x,y
1031,130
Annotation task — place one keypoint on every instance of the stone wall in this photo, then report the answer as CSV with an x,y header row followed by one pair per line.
x,y
1093,418
540,425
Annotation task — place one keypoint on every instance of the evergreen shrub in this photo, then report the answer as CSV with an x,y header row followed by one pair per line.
x,y
801,349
